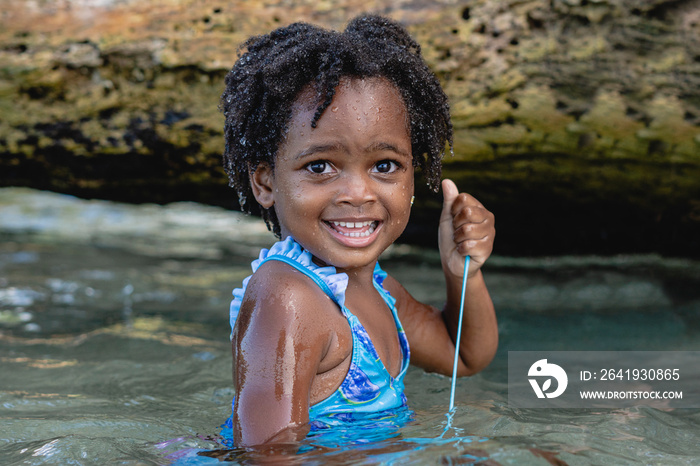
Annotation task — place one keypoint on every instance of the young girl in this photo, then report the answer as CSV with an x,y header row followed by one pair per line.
x,y
323,133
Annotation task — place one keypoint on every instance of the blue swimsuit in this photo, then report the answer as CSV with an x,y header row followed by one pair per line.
x,y
368,388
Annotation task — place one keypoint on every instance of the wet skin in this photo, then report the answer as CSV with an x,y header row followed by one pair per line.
x,y
343,190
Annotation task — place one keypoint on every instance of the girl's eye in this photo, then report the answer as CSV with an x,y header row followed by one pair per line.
x,y
386,166
318,167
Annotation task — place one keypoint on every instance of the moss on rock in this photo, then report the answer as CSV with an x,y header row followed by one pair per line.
x,y
592,103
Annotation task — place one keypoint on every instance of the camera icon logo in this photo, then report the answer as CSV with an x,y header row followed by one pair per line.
x,y
542,369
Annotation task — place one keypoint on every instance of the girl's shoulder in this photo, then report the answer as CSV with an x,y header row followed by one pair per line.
x,y
279,285
282,306
300,262
287,284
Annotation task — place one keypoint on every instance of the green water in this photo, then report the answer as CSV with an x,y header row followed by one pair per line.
x,y
114,344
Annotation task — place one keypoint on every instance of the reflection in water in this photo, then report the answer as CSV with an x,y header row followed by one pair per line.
x,y
114,348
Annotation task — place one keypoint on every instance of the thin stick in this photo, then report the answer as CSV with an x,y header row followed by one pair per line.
x,y
459,333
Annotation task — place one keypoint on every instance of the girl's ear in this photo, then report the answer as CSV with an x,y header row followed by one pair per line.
x,y
261,182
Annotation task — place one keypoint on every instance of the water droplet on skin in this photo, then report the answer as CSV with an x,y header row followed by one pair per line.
x,y
334,109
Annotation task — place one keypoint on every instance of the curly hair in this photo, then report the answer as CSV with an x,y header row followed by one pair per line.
x,y
267,79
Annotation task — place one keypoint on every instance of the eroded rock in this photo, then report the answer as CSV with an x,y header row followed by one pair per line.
x,y
577,122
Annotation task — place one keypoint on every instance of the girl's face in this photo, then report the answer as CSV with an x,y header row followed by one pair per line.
x,y
343,189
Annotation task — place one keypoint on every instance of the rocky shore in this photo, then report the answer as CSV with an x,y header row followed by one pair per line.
x,y
577,122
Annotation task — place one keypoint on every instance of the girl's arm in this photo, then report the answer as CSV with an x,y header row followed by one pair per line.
x,y
277,348
466,228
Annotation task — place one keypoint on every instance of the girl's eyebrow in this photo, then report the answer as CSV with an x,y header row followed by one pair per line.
x,y
383,146
318,148
337,147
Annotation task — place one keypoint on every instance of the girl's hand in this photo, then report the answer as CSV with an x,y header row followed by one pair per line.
x,y
466,228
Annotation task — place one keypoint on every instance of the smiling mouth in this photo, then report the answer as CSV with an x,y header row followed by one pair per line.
x,y
354,229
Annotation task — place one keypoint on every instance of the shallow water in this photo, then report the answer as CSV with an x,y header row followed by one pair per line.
x,y
114,344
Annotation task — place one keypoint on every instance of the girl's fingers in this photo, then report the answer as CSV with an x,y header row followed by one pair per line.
x,y
473,226
464,200
473,231
470,214
475,247
466,223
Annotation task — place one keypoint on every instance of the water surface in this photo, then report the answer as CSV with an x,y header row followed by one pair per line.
x,y
114,344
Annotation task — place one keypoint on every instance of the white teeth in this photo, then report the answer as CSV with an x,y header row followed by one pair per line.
x,y
353,224
372,226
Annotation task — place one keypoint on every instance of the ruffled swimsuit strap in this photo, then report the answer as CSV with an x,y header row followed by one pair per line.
x,y
290,252
313,276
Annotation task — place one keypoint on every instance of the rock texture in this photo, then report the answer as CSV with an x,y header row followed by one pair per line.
x,y
577,121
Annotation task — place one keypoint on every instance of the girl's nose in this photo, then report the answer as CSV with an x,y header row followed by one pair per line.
x,y
356,189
